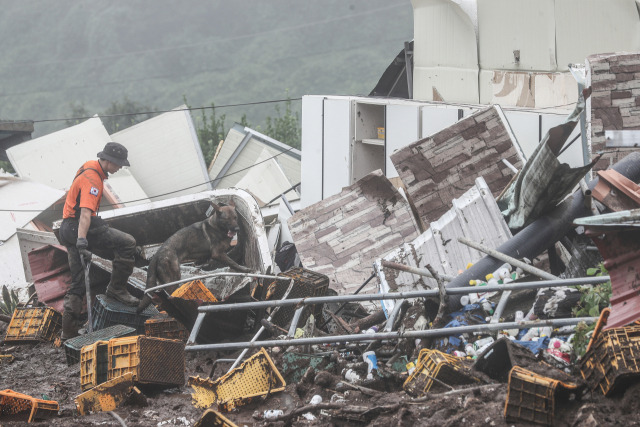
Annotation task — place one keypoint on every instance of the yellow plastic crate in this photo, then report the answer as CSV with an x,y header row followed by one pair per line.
x,y
151,360
613,359
432,364
30,324
105,397
211,418
167,327
22,407
257,376
532,398
93,364
194,290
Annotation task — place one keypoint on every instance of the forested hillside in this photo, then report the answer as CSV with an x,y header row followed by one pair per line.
x,y
57,55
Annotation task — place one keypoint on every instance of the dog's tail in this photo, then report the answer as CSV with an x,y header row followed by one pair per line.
x,y
151,282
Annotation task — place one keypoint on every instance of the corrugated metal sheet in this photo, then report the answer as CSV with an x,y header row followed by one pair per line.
x,y
55,158
617,236
51,274
165,155
475,216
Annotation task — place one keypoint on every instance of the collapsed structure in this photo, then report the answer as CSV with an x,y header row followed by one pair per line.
x,y
420,251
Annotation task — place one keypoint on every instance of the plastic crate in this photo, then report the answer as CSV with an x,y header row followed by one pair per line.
x,y
106,396
211,418
432,364
166,327
22,407
533,398
194,290
613,359
73,346
151,360
307,283
93,364
30,324
256,376
109,312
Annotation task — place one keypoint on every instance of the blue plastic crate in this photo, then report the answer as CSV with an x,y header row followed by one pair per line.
x,y
109,312
73,346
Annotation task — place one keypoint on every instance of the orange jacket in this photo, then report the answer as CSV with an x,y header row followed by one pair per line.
x,y
86,190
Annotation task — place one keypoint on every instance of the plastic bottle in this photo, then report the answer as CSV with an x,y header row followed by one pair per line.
x,y
468,348
271,414
411,367
459,353
372,362
481,343
371,330
351,376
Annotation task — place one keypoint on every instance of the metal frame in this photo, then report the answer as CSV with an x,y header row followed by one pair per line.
x,y
302,302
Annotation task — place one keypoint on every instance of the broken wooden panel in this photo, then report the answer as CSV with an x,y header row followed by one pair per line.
x,y
442,167
617,237
614,103
475,216
342,235
616,191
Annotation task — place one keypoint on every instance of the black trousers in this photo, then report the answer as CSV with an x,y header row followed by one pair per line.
x,y
104,241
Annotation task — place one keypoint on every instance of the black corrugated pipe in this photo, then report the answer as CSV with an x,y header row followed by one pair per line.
x,y
541,234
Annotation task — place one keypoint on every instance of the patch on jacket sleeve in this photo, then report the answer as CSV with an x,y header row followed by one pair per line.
x,y
94,191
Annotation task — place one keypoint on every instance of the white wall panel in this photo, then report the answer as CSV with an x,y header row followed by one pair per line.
x,y
453,84
336,151
587,27
402,128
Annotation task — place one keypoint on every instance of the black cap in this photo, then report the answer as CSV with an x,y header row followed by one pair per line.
x,y
115,153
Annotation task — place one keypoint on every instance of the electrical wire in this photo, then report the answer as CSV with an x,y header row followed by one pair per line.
x,y
59,209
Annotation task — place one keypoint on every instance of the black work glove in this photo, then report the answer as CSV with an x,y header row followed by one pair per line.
x,y
82,244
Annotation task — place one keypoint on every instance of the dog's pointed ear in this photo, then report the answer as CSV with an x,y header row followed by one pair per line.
x,y
215,207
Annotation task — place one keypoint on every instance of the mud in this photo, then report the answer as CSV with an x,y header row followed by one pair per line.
x,y
40,371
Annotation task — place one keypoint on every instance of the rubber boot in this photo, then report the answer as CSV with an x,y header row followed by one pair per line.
x,y
117,286
71,316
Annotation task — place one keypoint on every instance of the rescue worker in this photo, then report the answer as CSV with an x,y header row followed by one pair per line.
x,y
83,232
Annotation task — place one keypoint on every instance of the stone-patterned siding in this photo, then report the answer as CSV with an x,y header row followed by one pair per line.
x,y
440,168
343,235
614,103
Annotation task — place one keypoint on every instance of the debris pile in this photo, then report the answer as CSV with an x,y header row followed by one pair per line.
x,y
465,295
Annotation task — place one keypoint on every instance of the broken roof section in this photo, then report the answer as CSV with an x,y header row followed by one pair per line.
x,y
165,155
21,202
256,163
342,235
55,158
442,167
475,216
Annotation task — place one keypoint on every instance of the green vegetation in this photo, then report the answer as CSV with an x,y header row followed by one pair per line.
x,y
9,301
593,300
57,54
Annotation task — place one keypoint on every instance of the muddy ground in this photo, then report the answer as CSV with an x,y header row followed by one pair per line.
x,y
40,370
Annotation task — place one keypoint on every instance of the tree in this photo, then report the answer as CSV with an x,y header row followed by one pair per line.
x,y
285,129
120,115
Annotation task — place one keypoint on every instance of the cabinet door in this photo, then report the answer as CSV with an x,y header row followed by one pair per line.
x,y
336,149
311,163
402,128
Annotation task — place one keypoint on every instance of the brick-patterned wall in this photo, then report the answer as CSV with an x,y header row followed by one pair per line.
x,y
343,235
615,101
440,168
